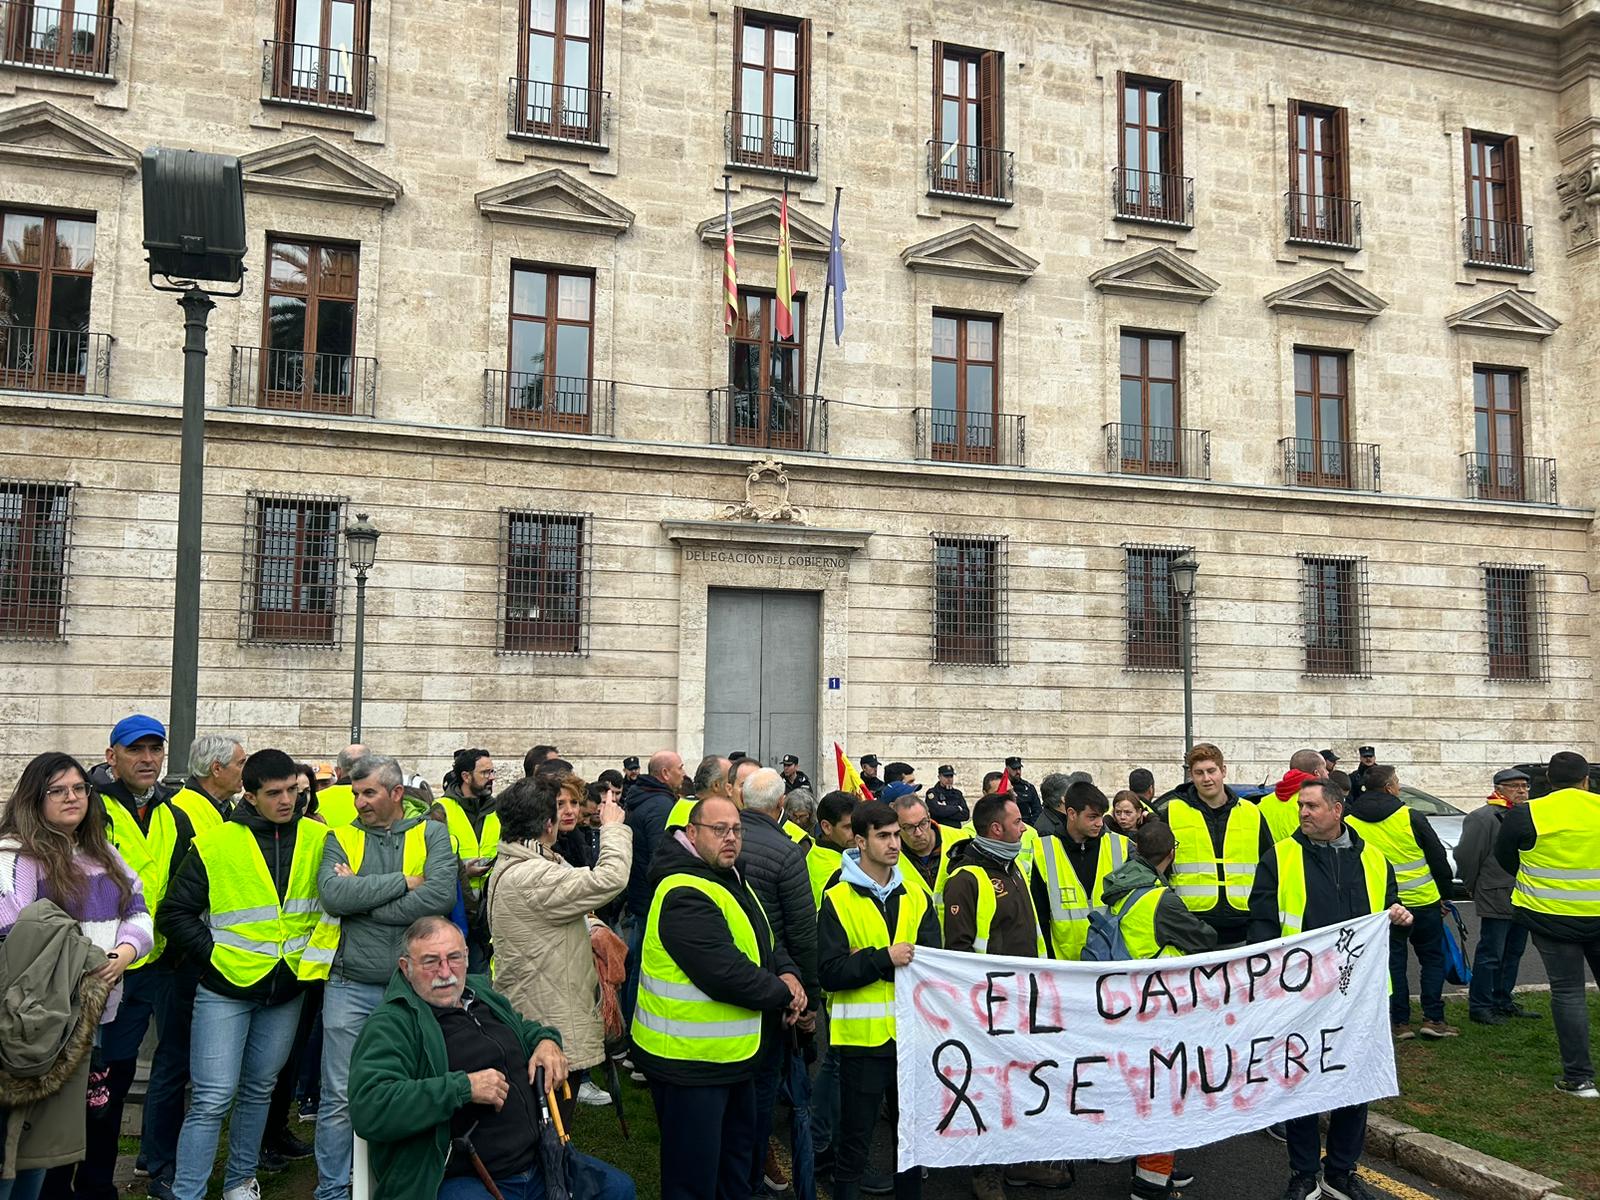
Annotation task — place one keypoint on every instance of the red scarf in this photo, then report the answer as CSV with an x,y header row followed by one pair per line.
x,y
1499,801
1290,783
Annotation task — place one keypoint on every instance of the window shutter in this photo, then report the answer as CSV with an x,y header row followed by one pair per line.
x,y
1341,141
597,31
738,58
1174,163
1514,189
938,91
1120,125
1294,145
1466,171
802,107
991,131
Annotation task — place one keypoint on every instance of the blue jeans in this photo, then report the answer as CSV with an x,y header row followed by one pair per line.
x,y
237,1048
1501,942
825,1089
604,1182
25,1186
346,1005
1426,936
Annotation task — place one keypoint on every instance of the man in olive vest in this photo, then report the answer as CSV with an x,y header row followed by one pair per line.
x,y
377,876
216,766
1069,870
469,812
869,926
244,903
1322,875
152,836
1423,875
715,991
1221,838
1552,846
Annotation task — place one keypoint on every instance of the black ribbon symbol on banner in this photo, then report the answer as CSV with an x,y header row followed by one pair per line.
x,y
958,1090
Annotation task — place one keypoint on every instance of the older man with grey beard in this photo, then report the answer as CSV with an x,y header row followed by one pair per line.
x,y
774,865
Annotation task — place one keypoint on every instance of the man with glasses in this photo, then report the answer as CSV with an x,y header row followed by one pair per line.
x,y
715,991
925,848
1501,940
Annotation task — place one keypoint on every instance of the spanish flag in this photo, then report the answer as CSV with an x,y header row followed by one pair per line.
x,y
730,268
783,305
849,778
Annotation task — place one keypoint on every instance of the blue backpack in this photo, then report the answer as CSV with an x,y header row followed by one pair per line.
x,y
1106,943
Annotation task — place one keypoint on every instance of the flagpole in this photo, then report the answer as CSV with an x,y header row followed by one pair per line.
x,y
827,291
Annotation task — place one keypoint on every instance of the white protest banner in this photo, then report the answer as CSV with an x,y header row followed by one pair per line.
x,y
1007,1060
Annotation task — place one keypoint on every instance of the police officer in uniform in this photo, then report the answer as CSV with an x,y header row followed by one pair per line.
x,y
630,774
869,926
869,774
244,902
946,803
1025,794
793,776
1552,846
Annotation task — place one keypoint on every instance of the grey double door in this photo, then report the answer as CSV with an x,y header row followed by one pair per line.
x,y
762,662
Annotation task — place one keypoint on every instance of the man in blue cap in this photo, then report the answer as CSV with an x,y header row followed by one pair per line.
x,y
153,836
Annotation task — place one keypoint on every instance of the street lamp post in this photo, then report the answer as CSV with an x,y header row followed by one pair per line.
x,y
361,538
1183,571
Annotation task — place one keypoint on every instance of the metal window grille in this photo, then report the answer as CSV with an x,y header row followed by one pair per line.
x,y
34,522
970,621
544,582
1336,622
293,583
1515,613
1153,632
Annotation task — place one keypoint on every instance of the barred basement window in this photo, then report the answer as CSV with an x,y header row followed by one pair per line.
x,y
1336,618
544,583
33,559
969,600
292,569
1153,633
1514,605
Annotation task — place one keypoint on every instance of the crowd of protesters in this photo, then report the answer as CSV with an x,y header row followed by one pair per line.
x,y
326,936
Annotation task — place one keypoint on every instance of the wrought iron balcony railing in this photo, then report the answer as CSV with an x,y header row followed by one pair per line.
x,y
998,439
71,362
542,403
548,113
1152,196
1354,466
760,142
318,76
301,381
1323,220
768,420
1503,244
48,37
977,172
1152,450
1510,477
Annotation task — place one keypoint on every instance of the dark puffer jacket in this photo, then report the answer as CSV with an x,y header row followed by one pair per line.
x,y
649,802
775,868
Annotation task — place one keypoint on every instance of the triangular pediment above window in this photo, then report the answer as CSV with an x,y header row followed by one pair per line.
x,y
554,199
1506,314
1331,293
1159,274
972,251
756,225
42,135
315,167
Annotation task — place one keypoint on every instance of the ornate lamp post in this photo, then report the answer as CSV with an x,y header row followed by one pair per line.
x,y
361,539
1183,571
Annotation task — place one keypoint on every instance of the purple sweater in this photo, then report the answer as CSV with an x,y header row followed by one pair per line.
x,y
104,918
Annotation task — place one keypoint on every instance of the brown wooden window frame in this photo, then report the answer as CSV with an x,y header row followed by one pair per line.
x,y
770,151
35,540
970,600
573,407
548,112
1152,460
1327,172
1501,469
309,580
311,396
526,579
772,428
1496,237
1514,621
1152,639
983,173
20,20
46,349
963,449
1336,615
1328,468
1145,192
288,60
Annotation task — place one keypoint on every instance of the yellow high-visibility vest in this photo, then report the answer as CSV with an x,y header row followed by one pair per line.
x,y
1561,874
467,843
1138,924
199,808
251,929
794,833
1198,874
988,906
149,856
678,817
1291,857
324,944
822,863
336,804
1396,840
1069,903
949,837
1282,816
864,1016
673,1018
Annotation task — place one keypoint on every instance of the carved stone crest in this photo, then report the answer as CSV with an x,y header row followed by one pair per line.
x,y
1580,193
766,496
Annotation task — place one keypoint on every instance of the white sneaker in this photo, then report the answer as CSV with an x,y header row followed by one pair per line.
x,y
588,1093
248,1190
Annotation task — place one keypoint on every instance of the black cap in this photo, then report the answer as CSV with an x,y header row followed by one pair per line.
x,y
790,760
1014,762
1330,756
737,755
947,770
869,760
1367,751
631,763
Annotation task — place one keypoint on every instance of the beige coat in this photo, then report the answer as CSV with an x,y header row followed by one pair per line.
x,y
542,961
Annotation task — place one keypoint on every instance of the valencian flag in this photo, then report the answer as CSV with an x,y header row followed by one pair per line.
x,y
849,778
730,268
783,305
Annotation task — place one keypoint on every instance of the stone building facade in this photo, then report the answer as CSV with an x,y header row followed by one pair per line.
x,y
494,323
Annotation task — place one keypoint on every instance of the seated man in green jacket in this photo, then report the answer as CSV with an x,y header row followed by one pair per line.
x,y
441,1062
